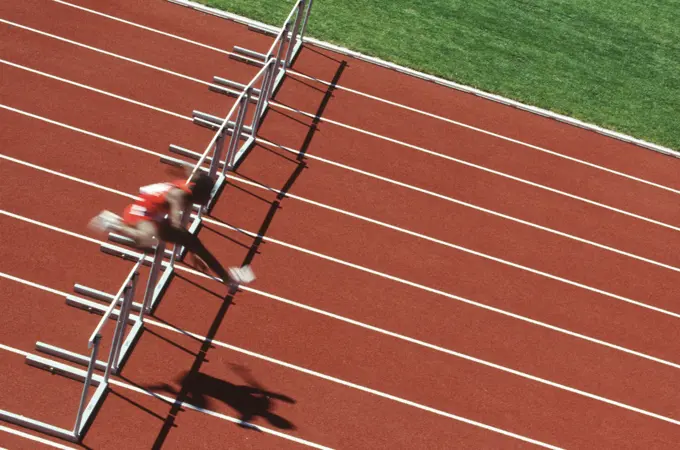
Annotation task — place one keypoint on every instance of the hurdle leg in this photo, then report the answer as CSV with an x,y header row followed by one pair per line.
x,y
86,387
261,100
153,278
293,36
124,315
238,129
117,337
217,156
280,63
236,133
304,23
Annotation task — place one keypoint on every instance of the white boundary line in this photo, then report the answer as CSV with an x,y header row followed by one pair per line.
x,y
165,398
437,80
295,368
466,250
395,141
34,438
451,121
338,317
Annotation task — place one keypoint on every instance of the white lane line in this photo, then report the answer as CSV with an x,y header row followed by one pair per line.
x,y
80,130
490,133
68,177
34,438
492,258
172,400
604,247
371,175
414,147
383,100
449,199
357,323
445,350
153,30
98,91
307,372
59,38
479,254
392,227
476,166
433,290
335,316
401,400
446,244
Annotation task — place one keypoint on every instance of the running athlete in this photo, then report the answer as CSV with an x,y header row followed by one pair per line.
x,y
158,214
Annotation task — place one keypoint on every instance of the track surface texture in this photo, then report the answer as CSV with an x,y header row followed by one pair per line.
x,y
435,270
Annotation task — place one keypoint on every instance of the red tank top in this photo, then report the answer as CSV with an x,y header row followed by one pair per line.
x,y
153,204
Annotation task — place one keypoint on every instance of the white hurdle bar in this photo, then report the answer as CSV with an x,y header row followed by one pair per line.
x,y
273,65
297,18
237,130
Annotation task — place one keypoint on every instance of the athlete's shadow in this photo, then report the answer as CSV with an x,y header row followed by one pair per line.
x,y
250,400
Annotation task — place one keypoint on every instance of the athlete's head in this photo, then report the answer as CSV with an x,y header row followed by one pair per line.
x,y
201,187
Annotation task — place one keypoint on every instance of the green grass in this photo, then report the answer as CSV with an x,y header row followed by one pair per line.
x,y
615,63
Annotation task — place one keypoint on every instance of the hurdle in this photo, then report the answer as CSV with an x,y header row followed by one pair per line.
x,y
297,18
280,56
119,351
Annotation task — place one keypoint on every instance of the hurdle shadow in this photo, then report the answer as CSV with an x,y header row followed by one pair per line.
x,y
314,126
249,400
301,165
311,49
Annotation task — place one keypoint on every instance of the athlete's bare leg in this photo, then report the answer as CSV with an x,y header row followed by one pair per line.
x,y
144,233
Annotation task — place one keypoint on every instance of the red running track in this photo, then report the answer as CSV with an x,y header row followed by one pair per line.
x,y
454,284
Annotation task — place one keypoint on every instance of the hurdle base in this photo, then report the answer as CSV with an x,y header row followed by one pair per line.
x,y
64,354
75,374
96,308
246,60
126,241
239,87
97,295
206,124
38,426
